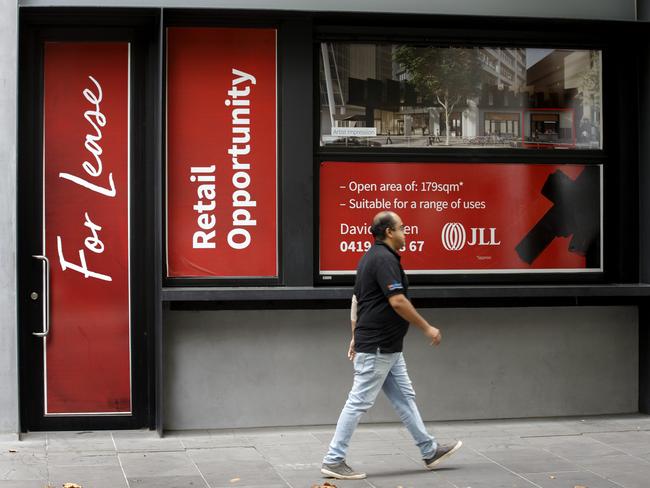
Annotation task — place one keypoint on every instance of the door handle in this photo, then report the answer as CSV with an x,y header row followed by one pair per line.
x,y
46,297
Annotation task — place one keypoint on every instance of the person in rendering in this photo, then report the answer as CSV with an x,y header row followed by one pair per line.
x,y
380,316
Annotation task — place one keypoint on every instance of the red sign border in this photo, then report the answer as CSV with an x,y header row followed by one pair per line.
x,y
325,276
128,170
213,279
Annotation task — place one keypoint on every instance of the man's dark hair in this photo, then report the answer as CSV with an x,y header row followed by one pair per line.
x,y
381,222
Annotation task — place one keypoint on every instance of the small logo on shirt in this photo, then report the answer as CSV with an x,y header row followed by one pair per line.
x,y
395,286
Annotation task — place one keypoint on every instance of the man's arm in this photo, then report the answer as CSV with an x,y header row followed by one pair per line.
x,y
353,323
405,309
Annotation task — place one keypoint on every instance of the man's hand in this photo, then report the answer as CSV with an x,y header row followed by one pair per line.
x,y
433,335
351,350
404,308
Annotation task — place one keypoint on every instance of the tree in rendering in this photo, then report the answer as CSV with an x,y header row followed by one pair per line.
x,y
588,88
450,75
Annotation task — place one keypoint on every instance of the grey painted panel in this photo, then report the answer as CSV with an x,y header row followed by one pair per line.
x,y
269,368
8,100
576,9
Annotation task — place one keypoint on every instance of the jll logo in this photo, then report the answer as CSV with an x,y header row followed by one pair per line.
x,y
454,236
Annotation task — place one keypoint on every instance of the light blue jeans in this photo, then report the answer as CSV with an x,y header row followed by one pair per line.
x,y
374,372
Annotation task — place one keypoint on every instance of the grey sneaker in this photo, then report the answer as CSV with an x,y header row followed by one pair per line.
x,y
341,471
442,453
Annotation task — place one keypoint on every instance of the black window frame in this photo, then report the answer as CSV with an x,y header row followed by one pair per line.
x,y
617,154
177,17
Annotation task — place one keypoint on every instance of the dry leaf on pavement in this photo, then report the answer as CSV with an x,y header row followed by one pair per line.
x,y
71,485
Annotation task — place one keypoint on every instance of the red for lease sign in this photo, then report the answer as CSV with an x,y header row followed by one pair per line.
x,y
221,152
86,166
465,217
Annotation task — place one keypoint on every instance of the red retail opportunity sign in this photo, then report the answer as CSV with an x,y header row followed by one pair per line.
x,y
86,165
221,153
465,218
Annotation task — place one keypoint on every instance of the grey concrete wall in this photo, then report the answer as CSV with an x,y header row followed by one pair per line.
x,y
278,368
576,9
8,328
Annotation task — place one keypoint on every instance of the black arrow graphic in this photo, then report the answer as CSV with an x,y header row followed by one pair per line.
x,y
576,211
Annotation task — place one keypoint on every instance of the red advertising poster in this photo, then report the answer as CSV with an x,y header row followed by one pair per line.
x,y
465,218
221,153
86,186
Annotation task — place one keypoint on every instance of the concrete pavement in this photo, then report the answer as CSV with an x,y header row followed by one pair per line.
x,y
592,452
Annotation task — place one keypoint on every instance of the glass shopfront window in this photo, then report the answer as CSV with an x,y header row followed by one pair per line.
x,y
390,95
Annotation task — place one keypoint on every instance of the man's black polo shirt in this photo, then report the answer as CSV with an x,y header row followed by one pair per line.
x,y
379,275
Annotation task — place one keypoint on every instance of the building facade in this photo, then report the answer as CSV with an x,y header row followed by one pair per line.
x,y
187,188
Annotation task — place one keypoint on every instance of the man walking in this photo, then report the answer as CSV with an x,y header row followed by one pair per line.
x,y
380,316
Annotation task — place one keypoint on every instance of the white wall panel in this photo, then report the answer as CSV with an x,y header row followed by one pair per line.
x,y
8,328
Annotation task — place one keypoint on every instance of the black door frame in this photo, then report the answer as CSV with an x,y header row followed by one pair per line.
x,y
141,29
